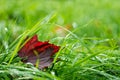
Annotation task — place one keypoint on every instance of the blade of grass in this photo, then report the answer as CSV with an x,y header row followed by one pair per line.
x,y
17,48
110,77
87,58
22,70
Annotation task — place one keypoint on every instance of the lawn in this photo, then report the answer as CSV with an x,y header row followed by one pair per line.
x,y
87,31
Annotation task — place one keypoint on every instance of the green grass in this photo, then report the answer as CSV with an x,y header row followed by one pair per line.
x,y
89,38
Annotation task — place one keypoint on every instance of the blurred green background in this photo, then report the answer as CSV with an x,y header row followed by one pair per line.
x,y
101,17
95,23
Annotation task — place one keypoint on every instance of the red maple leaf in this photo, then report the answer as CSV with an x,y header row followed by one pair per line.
x,y
37,52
